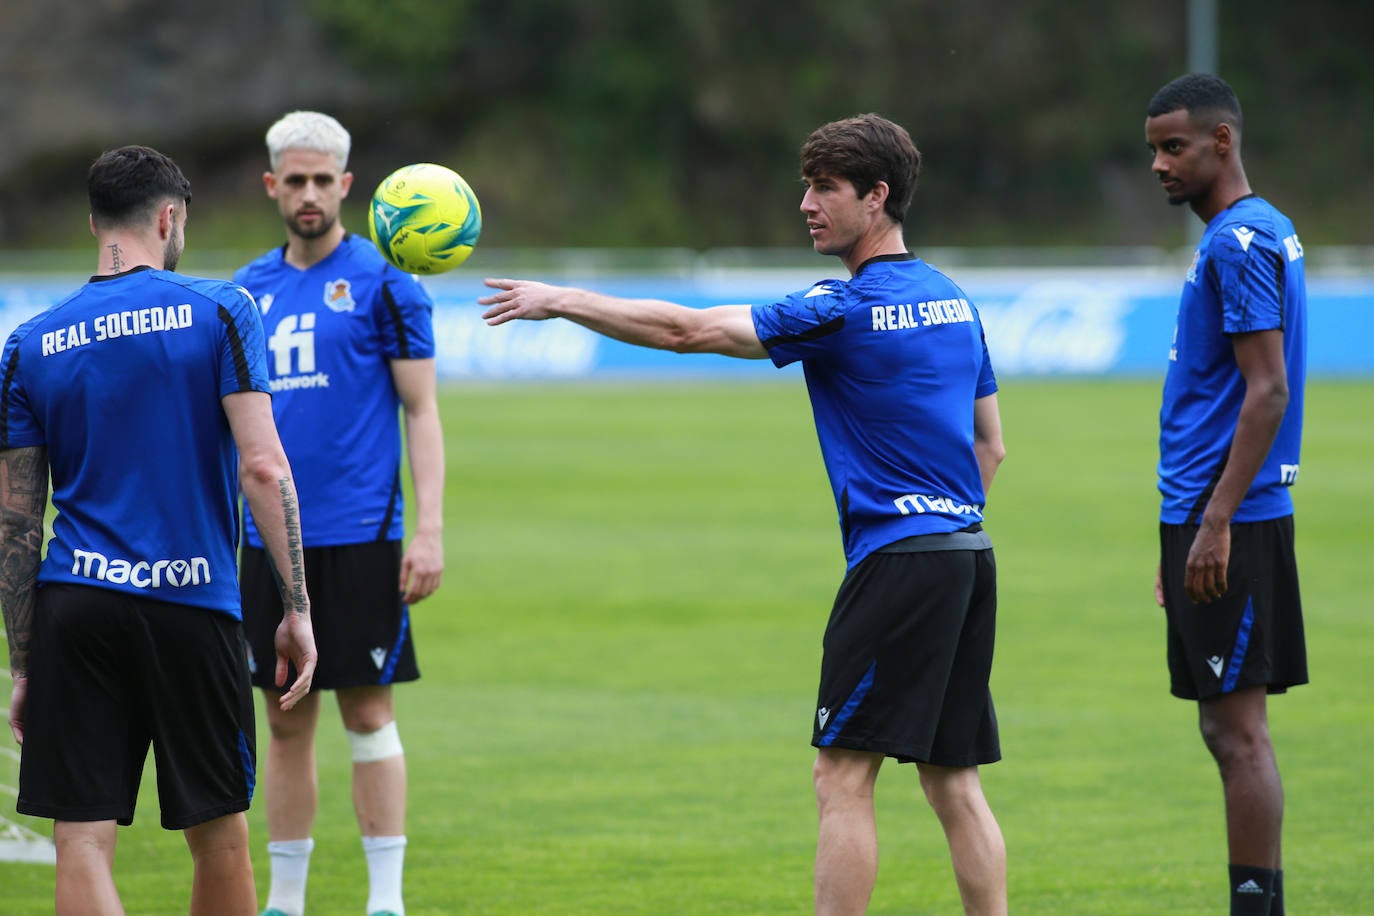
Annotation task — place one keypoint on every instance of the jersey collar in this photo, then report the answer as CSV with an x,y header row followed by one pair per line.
x,y
100,278
904,256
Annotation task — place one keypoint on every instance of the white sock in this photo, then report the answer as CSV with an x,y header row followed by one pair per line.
x,y
385,859
290,865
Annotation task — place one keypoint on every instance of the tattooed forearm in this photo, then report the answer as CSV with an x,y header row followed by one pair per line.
x,y
23,497
293,589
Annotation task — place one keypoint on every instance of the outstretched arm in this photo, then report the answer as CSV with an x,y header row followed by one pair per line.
x,y
724,329
23,498
265,476
422,564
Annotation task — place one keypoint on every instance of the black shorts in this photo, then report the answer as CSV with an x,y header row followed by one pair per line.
x,y
1253,634
908,655
111,674
362,628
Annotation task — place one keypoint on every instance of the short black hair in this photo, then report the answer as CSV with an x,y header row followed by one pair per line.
x,y
1197,94
865,150
127,184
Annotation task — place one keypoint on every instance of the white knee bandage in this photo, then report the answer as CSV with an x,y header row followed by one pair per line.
x,y
379,745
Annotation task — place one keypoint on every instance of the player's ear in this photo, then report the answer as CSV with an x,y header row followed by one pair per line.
x,y
166,221
345,182
269,181
1223,138
877,195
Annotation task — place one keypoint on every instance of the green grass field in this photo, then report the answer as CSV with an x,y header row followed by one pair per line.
x,y
619,672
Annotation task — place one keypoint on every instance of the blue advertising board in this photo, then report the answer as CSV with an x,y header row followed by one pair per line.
x,y
1060,322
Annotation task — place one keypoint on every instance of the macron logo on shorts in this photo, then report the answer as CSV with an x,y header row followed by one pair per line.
x,y
823,716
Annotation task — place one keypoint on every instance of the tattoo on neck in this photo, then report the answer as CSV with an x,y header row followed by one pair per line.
x,y
116,261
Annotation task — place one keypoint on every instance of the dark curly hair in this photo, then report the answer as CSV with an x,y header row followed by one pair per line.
x,y
865,150
1201,95
126,184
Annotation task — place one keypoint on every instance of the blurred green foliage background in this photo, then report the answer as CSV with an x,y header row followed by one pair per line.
x,y
676,123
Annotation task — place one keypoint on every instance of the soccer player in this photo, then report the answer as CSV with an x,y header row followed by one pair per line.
x,y
351,345
132,395
1230,431
906,412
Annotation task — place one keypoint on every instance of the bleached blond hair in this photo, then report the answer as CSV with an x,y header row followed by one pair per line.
x,y
310,130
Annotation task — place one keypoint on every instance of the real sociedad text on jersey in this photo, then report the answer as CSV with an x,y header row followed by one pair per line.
x,y
924,314
117,324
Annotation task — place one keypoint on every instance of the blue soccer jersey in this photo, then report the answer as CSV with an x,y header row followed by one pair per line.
x,y
1247,275
122,383
894,359
332,332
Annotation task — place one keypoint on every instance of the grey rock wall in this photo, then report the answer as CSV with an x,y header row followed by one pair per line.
x,y
80,76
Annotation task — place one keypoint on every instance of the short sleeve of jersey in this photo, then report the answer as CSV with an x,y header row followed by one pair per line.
x,y
18,426
800,325
987,380
405,321
1247,268
243,357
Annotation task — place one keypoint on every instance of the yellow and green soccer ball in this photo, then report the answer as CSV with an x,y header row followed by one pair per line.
x,y
424,218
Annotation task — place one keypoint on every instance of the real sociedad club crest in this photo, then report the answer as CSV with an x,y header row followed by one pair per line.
x,y
338,295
